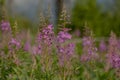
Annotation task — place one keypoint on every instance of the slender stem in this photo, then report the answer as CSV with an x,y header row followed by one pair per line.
x,y
33,66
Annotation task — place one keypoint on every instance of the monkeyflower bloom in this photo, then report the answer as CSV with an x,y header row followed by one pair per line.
x,y
5,26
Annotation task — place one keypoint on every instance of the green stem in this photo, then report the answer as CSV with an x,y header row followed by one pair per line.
x,y
33,66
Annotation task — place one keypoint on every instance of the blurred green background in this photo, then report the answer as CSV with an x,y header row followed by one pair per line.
x,y
102,16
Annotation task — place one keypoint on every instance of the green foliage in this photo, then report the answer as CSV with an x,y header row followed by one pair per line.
x,y
94,70
2,2
1,5
29,67
100,21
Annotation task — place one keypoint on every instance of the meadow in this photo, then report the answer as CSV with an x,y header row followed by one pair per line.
x,y
60,51
51,55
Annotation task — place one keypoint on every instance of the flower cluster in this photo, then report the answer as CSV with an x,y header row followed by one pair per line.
x,y
63,36
114,60
27,46
36,50
5,26
65,51
89,49
113,44
113,51
102,46
47,35
14,44
44,60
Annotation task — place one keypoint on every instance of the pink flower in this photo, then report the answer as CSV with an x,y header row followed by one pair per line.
x,y
89,49
102,46
47,35
14,44
5,26
65,52
70,49
27,46
114,60
113,51
63,36
50,27
36,50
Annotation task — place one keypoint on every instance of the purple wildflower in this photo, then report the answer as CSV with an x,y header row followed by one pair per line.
x,y
119,44
87,41
5,26
36,50
114,60
45,38
89,49
113,56
63,36
70,49
47,35
85,57
60,49
14,44
113,44
88,45
65,51
27,46
102,46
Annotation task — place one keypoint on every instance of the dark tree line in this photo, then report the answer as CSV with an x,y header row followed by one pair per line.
x,y
99,19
